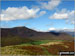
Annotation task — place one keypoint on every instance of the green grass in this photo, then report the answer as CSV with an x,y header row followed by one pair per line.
x,y
16,50
38,42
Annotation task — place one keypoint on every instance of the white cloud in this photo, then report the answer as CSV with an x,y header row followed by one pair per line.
x,y
52,28
60,29
14,13
51,4
59,16
71,17
41,13
64,14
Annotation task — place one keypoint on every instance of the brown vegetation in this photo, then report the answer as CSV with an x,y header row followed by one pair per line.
x,y
55,49
39,49
34,49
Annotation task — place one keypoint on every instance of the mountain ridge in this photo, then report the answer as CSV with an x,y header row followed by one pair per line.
x,y
19,35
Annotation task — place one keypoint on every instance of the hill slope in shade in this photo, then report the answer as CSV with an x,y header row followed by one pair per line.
x,y
69,31
18,35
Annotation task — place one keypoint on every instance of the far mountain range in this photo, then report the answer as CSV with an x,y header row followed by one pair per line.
x,y
68,31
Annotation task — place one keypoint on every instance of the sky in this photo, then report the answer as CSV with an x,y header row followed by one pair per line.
x,y
38,15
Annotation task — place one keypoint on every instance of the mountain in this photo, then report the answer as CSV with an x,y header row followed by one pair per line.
x,y
71,33
67,31
18,35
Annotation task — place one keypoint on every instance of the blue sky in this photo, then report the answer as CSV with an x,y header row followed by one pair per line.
x,y
41,15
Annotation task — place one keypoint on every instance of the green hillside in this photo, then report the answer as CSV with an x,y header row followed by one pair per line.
x,y
41,47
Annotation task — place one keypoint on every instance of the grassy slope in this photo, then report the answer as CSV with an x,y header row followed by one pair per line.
x,y
35,48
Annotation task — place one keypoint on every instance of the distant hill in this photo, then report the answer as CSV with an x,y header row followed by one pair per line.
x,y
18,35
72,33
